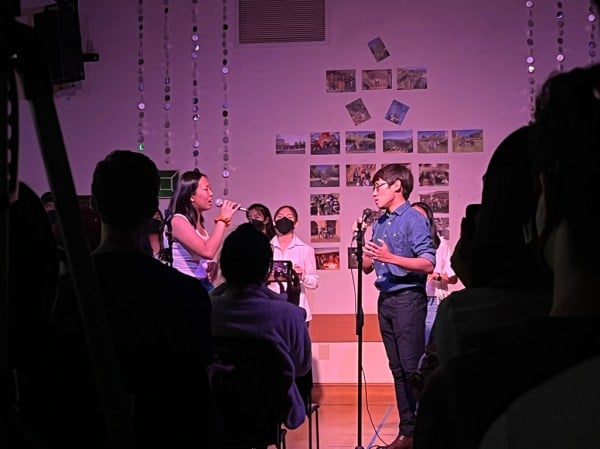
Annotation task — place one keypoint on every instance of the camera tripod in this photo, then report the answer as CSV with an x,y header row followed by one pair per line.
x,y
21,55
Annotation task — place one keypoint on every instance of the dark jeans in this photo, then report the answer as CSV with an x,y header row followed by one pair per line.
x,y
402,326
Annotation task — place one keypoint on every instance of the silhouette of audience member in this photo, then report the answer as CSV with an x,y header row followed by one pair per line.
x,y
505,282
260,216
159,321
469,392
244,306
31,290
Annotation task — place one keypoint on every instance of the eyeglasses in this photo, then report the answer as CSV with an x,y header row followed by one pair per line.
x,y
376,187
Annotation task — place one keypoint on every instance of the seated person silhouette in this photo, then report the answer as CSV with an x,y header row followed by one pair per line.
x,y
159,322
243,306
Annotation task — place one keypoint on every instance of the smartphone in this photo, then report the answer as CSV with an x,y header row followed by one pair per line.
x,y
280,268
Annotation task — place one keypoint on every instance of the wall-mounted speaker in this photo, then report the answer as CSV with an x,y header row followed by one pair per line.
x,y
58,27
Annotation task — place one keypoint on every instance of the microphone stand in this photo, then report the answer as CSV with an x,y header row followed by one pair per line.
x,y
360,321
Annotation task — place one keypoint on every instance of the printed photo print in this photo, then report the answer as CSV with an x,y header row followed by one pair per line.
x,y
434,175
467,141
358,111
324,143
358,175
323,231
324,203
378,49
360,141
409,78
376,79
396,113
290,144
398,141
327,258
340,81
442,225
325,175
432,142
438,201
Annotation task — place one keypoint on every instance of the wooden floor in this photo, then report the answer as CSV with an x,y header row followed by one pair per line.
x,y
338,418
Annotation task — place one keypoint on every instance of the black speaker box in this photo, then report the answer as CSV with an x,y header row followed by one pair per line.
x,y
58,27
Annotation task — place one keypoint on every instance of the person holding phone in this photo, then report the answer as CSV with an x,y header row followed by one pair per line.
x,y
288,246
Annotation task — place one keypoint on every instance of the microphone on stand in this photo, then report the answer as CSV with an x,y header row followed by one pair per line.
x,y
219,202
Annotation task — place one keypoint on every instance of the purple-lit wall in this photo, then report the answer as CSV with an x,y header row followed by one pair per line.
x,y
474,52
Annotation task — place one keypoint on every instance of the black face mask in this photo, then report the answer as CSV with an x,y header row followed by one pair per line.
x,y
284,225
258,224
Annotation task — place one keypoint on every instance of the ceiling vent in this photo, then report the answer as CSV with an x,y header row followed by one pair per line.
x,y
279,21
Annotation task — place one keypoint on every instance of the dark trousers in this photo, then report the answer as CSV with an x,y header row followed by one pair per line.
x,y
402,326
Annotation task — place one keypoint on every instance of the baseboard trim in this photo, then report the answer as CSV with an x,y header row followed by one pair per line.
x,y
347,394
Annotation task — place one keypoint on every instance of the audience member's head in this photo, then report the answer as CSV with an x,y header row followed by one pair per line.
x,y
565,151
125,190
500,255
260,216
246,256
461,256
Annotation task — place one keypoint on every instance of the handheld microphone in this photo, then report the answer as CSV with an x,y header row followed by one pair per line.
x,y
367,216
219,202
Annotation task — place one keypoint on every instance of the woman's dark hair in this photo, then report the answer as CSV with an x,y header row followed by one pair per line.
x,y
246,256
181,202
429,212
264,210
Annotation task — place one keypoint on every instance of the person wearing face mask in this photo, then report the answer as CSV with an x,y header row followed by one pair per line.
x,y
287,246
260,216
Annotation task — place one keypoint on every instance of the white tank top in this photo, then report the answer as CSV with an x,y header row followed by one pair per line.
x,y
188,262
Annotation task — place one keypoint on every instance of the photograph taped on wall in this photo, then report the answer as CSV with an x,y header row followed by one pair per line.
x,y
442,224
360,141
376,79
324,203
409,78
324,142
324,231
358,111
359,175
168,182
396,113
326,175
398,141
439,201
327,258
378,49
340,81
290,144
467,140
434,175
432,142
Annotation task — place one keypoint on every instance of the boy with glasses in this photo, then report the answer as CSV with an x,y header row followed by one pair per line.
x,y
401,253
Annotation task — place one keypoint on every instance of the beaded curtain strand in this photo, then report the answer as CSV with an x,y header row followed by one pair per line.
x,y
167,133
225,104
560,36
141,105
530,60
591,28
195,48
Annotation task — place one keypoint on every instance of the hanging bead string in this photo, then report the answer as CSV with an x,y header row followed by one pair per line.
x,y
167,83
225,104
591,27
529,4
141,105
560,27
195,44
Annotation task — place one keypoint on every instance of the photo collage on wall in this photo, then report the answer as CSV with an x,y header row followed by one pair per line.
x,y
432,179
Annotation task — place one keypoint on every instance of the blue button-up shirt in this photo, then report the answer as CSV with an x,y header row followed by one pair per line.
x,y
406,232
